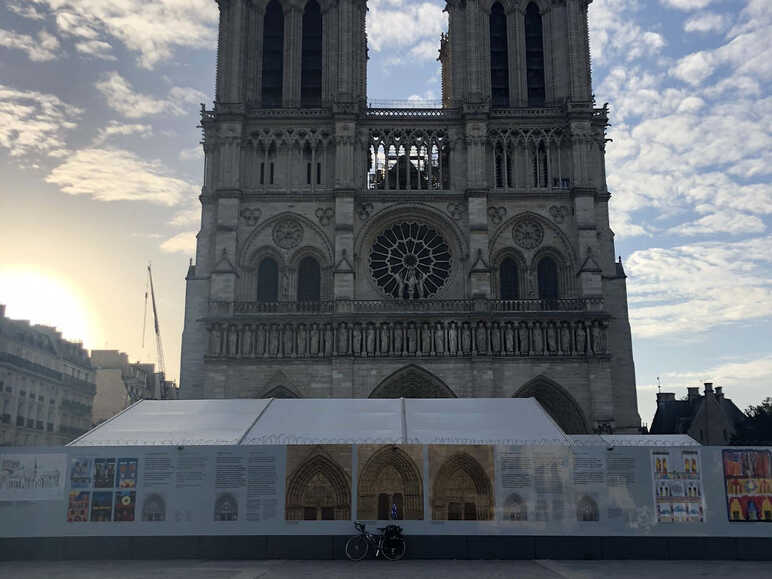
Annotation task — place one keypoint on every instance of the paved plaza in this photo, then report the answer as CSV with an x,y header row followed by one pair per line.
x,y
279,569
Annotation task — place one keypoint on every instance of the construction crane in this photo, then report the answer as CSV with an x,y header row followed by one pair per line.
x,y
158,344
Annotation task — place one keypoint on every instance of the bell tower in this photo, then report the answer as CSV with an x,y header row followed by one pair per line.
x,y
348,251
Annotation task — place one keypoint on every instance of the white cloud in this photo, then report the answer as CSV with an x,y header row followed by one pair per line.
x,y
21,8
38,49
34,123
192,154
686,5
184,242
731,222
189,215
118,175
426,50
690,289
96,48
122,98
393,25
116,129
614,33
151,29
706,22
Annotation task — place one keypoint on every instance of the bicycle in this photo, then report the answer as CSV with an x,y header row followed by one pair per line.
x,y
390,542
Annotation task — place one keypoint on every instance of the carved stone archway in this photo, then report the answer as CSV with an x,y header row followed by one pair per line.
x,y
557,402
280,392
462,490
412,382
390,476
318,490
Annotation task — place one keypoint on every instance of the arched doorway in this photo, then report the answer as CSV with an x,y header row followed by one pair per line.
x,y
318,490
557,402
412,382
280,392
390,477
462,491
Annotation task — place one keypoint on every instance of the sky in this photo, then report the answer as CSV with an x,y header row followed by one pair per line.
x,y
101,168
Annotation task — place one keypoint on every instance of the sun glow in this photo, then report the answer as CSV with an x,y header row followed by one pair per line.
x,y
42,298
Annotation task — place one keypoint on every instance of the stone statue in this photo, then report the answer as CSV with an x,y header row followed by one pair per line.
x,y
356,340
314,339
384,336
302,335
452,339
370,339
398,339
495,338
439,339
274,344
509,338
565,338
581,338
426,339
216,347
412,338
246,341
538,338
481,338
285,285
466,338
328,340
289,340
595,334
552,339
524,342
260,340
233,341
343,340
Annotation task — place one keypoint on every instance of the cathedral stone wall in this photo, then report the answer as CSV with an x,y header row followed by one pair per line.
x,y
347,250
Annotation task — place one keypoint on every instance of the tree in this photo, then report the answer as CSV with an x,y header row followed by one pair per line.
x,y
757,426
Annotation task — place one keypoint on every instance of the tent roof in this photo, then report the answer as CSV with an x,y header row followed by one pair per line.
x,y
250,421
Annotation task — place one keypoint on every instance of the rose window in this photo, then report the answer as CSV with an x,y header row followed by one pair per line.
x,y
410,261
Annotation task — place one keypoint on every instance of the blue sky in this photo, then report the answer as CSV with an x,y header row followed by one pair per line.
x,y
101,167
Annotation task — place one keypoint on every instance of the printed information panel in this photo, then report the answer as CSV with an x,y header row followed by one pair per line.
x,y
431,489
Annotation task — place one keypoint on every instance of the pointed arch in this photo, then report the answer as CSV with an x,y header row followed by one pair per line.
x,y
280,392
303,497
557,402
465,501
412,382
390,473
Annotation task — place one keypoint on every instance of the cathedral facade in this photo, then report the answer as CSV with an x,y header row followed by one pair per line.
x,y
461,251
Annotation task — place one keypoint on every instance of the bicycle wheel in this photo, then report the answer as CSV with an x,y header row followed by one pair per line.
x,y
356,548
394,549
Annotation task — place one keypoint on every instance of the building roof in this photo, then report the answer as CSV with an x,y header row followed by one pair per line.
x,y
676,416
515,421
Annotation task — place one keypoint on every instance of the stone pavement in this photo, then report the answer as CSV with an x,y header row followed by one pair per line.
x,y
279,569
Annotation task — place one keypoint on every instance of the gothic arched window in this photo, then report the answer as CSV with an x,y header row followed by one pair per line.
x,y
548,278
268,280
508,280
309,280
499,57
534,56
311,58
273,54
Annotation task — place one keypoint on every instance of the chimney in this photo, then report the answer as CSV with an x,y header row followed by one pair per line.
x,y
719,392
693,393
665,397
708,388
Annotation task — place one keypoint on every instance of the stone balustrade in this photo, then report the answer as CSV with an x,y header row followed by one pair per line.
x,y
405,338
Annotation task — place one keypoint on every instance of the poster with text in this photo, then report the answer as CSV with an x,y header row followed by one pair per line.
x,y
748,483
32,477
678,496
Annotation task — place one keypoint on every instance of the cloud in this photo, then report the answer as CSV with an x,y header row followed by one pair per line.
x,y
116,129
34,122
393,25
96,48
117,175
614,33
426,50
192,154
184,242
122,98
154,30
38,49
690,289
686,5
731,222
706,22
24,10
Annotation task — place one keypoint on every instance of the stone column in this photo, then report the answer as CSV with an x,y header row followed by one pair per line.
x,y
293,37
578,50
515,46
254,62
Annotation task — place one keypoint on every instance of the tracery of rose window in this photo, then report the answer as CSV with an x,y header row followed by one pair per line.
x,y
410,261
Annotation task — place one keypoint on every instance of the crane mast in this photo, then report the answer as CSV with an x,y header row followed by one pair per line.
x,y
158,343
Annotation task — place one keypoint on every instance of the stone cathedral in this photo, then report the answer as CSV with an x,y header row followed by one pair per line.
x,y
461,251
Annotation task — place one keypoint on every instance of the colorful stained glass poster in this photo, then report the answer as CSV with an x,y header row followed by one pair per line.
x,y
104,473
127,473
77,507
80,473
678,496
125,502
748,479
101,506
